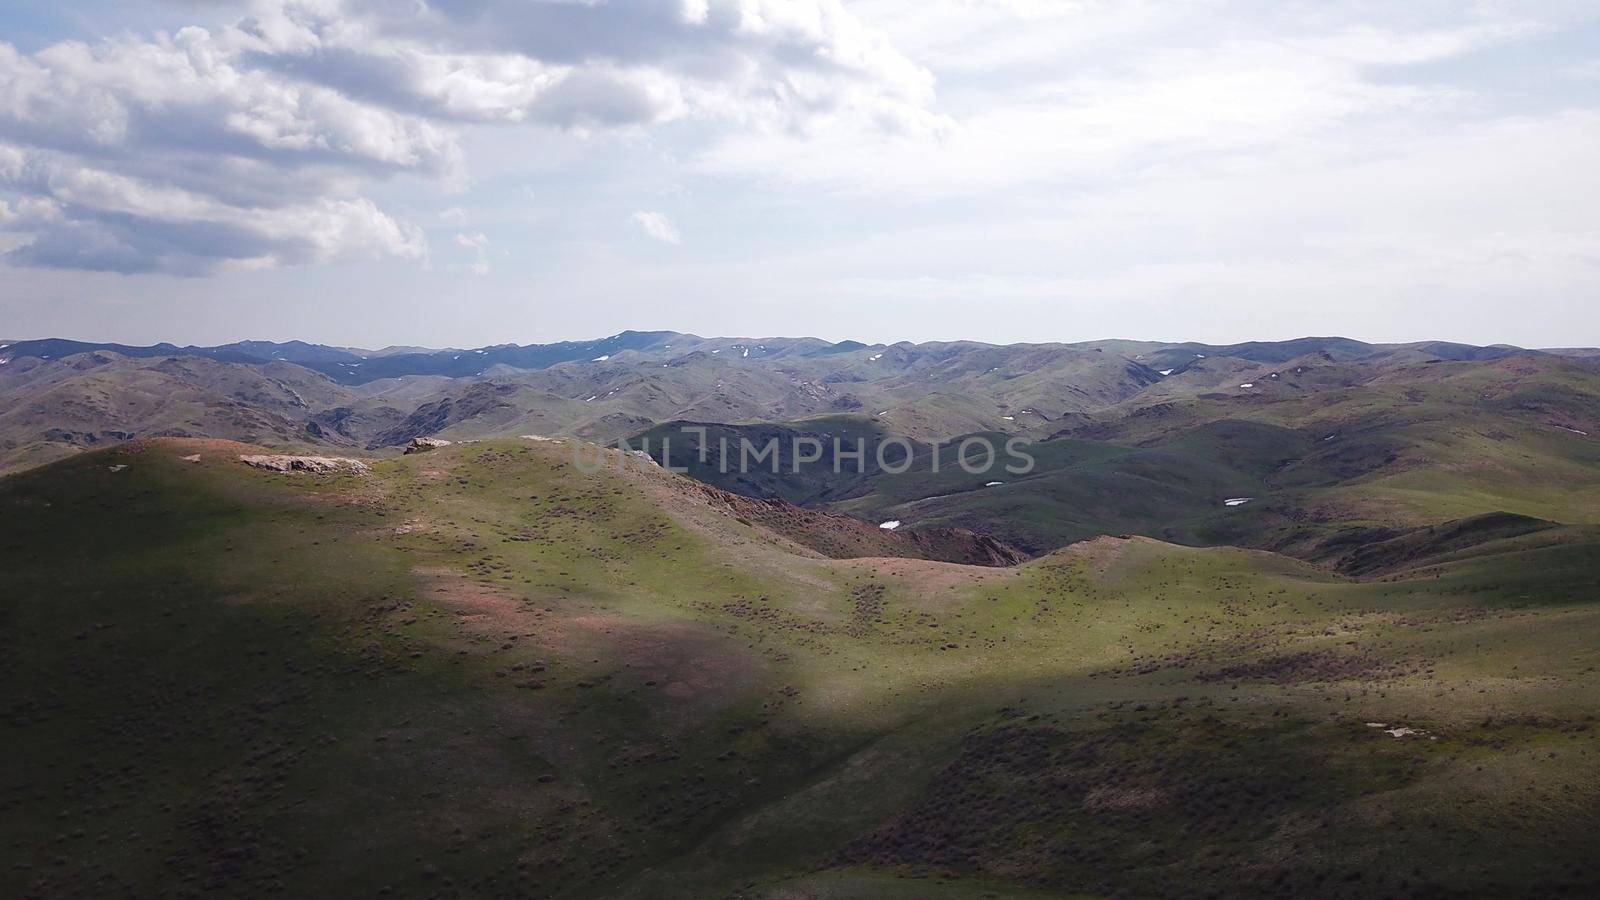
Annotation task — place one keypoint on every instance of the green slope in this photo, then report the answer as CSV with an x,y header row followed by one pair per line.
x,y
1322,462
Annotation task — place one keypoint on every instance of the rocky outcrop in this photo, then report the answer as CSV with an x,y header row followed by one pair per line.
x,y
424,444
314,464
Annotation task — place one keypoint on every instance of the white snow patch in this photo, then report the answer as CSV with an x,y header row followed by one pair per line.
x,y
601,358
591,398
880,356
1237,501
1165,372
993,483
747,352
716,351
117,468
1199,356
1009,418
480,351
1573,430
1248,384
890,525
883,412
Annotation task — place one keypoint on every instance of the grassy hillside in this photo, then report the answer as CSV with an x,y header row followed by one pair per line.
x,y
479,671
1323,453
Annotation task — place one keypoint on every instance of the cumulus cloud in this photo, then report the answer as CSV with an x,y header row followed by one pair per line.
x,y
658,226
81,216
779,61
253,143
168,155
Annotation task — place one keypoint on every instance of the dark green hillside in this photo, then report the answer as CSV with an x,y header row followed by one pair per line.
x,y
1079,489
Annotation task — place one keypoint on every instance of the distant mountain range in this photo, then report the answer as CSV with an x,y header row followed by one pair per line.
x,y
58,397
349,365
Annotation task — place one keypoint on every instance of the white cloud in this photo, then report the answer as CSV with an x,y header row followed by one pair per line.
x,y
658,226
181,153
772,63
171,155
478,243
82,216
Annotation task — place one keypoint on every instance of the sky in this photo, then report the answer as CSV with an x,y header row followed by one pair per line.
x,y
474,172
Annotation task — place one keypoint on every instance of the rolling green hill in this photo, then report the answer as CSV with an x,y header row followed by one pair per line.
x,y
1322,455
478,671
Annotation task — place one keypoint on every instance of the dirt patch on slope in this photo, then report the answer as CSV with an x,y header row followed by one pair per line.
x,y
680,660
472,602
